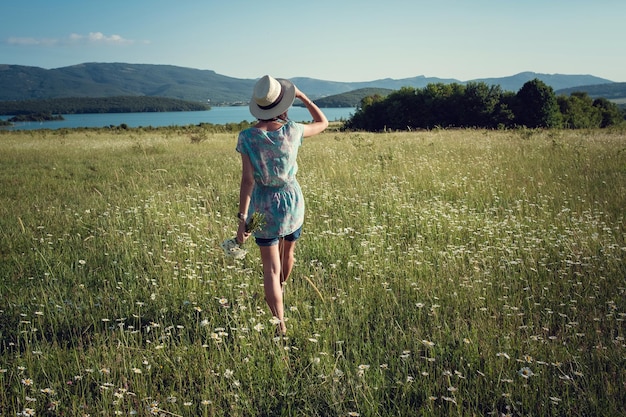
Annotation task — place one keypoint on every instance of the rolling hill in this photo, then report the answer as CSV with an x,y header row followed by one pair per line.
x,y
121,79
615,92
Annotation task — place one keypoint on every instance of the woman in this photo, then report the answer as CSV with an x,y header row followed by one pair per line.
x,y
268,181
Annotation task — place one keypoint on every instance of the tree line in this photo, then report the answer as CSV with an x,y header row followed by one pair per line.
x,y
478,105
83,105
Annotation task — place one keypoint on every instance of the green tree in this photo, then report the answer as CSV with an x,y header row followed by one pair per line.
x,y
536,105
370,115
611,114
503,115
440,98
480,105
578,111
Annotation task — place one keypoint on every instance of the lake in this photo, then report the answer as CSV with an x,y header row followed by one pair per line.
x,y
217,115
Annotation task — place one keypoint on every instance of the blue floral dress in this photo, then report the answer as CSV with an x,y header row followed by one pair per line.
x,y
276,193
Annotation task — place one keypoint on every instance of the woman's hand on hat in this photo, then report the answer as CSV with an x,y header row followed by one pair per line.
x,y
302,97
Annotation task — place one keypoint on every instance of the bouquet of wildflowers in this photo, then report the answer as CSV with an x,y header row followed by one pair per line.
x,y
232,248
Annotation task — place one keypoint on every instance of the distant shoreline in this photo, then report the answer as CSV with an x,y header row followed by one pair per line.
x,y
94,105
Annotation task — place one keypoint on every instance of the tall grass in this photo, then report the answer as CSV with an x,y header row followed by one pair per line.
x,y
455,273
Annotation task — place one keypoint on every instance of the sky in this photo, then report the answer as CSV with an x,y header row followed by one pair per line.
x,y
339,40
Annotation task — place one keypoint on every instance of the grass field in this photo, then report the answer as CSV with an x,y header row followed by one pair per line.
x,y
443,273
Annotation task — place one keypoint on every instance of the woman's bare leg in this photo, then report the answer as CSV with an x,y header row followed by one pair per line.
x,y
270,256
287,259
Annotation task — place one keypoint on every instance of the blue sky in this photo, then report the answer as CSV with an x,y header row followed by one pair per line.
x,y
349,40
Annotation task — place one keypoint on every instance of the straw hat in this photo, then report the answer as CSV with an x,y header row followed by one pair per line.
x,y
271,97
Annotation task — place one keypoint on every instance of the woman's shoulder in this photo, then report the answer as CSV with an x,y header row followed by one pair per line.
x,y
248,133
294,126
248,130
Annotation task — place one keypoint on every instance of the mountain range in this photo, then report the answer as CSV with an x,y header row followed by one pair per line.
x,y
121,79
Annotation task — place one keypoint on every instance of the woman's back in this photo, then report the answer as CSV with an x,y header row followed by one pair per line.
x,y
273,154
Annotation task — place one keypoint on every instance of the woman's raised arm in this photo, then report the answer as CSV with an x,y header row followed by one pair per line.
x,y
320,122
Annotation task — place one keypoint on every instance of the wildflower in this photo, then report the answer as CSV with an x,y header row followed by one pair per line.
x,y
27,382
428,343
154,408
525,372
228,373
259,327
48,391
362,369
275,321
232,248
28,412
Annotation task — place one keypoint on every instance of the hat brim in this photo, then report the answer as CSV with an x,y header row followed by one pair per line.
x,y
289,96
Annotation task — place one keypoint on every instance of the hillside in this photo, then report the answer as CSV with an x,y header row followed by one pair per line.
x,y
107,80
83,105
615,91
121,79
351,98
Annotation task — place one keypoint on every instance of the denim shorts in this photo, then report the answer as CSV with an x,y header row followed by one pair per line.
x,y
292,237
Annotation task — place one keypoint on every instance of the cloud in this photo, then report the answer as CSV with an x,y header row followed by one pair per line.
x,y
97,38
100,38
